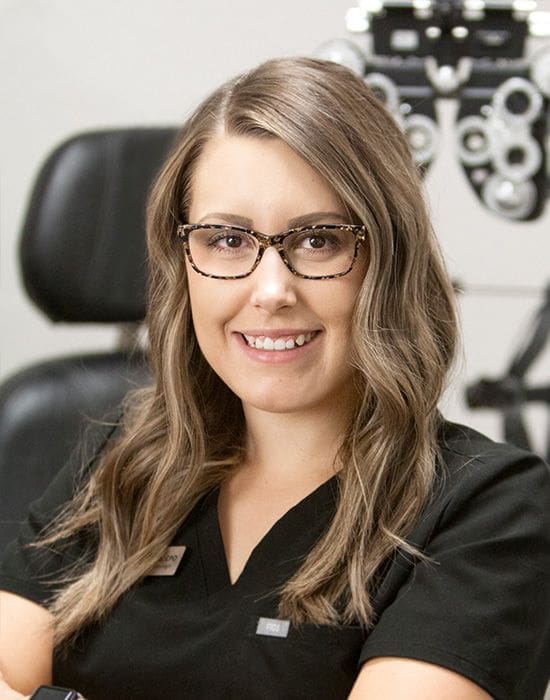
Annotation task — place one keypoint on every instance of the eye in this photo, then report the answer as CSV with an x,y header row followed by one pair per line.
x,y
226,239
315,241
326,241
230,240
222,241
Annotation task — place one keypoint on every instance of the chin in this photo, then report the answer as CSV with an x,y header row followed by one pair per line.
x,y
269,405
272,403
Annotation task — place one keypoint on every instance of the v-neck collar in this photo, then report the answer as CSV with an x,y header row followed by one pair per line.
x,y
277,555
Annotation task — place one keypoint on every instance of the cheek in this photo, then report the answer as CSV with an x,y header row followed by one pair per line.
x,y
337,305
202,293
212,306
202,306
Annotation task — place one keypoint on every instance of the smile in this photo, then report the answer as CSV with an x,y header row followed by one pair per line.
x,y
287,342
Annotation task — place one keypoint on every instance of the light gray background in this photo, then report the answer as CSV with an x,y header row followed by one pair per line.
x,y
69,66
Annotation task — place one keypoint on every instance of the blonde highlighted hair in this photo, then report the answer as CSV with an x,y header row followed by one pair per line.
x,y
181,436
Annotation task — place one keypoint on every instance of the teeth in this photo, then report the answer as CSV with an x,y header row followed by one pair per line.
x,y
263,342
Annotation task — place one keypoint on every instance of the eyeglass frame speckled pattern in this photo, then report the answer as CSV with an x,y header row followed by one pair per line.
x,y
265,242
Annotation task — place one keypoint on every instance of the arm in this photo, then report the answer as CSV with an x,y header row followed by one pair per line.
x,y
479,605
26,643
395,678
26,629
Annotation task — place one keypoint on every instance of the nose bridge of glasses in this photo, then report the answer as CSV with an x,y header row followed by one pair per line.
x,y
265,242
273,262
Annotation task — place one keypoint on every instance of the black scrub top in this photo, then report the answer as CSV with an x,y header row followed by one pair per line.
x,y
480,605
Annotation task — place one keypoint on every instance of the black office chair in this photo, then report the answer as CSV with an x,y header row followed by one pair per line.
x,y
83,260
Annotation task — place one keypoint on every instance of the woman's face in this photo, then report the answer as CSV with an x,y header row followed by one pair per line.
x,y
262,184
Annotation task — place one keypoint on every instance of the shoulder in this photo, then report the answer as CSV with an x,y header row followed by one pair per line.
x,y
477,601
29,571
471,464
487,497
461,446
486,490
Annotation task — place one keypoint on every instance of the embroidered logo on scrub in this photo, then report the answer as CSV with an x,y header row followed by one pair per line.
x,y
168,564
270,627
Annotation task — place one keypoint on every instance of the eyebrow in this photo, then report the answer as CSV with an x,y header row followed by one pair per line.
x,y
304,220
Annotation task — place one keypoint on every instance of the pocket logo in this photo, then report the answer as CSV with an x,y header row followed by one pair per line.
x,y
270,627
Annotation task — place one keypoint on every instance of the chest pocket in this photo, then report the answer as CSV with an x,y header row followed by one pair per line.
x,y
312,661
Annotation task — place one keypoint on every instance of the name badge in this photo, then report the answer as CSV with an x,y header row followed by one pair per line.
x,y
168,565
270,627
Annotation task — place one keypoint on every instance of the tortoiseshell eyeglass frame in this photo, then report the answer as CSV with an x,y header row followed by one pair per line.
x,y
265,242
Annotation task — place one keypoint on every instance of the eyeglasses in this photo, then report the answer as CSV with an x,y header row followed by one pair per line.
x,y
230,252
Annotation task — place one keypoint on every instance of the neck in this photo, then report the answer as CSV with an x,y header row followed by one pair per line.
x,y
287,449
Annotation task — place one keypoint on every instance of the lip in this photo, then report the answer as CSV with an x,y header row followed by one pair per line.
x,y
276,357
277,332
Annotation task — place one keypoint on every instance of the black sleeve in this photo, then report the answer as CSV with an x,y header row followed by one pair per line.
x,y
481,605
32,572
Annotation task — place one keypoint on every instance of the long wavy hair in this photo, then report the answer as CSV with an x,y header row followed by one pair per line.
x,y
183,435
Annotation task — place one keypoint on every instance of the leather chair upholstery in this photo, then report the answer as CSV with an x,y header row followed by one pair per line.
x,y
83,260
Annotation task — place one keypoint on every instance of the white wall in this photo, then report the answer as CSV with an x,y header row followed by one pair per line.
x,y
71,66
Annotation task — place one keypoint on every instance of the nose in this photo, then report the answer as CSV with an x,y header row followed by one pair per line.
x,y
274,285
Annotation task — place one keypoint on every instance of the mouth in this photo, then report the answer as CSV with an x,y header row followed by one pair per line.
x,y
280,343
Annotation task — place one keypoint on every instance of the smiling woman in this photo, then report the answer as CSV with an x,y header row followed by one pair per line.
x,y
243,325
285,512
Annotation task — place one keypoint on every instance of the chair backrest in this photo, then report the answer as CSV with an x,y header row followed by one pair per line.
x,y
44,412
83,259
83,241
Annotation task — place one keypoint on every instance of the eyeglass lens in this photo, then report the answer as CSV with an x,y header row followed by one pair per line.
x,y
312,252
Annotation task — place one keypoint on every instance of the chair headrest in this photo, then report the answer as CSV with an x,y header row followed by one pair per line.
x,y
83,247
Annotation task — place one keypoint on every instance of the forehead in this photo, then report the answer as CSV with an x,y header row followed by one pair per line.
x,y
259,178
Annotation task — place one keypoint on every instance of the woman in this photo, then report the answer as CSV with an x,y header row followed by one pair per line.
x,y
284,513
